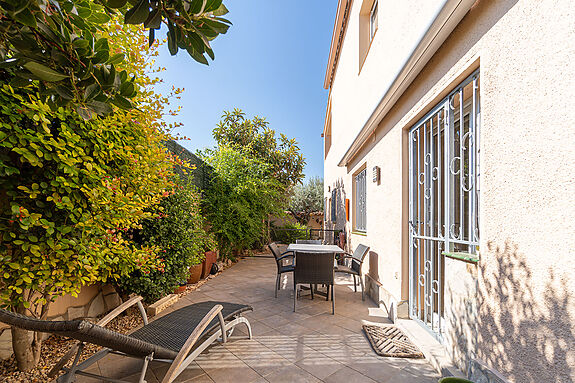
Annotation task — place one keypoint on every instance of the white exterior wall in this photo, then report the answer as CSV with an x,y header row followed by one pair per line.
x,y
515,311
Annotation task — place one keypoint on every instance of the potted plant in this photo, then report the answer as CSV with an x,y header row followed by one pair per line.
x,y
195,273
211,257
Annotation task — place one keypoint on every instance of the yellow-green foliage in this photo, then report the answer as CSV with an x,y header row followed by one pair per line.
x,y
71,189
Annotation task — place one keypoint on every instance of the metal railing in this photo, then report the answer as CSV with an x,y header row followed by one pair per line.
x,y
288,235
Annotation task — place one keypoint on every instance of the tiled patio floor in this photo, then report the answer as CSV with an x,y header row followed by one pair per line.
x,y
311,345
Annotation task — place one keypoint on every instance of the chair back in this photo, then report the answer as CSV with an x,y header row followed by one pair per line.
x,y
358,257
314,268
275,250
308,241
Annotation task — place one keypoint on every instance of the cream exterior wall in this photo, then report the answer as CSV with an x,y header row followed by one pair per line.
x,y
516,310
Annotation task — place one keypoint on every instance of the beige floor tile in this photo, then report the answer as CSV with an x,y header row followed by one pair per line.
x,y
347,375
292,374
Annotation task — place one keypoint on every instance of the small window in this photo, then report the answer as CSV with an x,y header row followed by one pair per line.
x,y
325,209
373,20
360,211
334,205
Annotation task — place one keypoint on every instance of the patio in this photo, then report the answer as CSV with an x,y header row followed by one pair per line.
x,y
310,345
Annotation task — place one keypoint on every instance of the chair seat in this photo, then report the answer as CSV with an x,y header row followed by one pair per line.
x,y
172,330
286,269
345,269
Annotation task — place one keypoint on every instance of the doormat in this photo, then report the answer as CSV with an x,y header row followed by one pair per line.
x,y
388,340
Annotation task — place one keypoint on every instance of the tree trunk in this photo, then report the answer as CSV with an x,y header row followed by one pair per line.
x,y
26,346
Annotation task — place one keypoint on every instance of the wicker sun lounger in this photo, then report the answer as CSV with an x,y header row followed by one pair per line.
x,y
176,338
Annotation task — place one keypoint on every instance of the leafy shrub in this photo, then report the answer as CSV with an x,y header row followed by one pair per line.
x,y
240,198
177,228
288,233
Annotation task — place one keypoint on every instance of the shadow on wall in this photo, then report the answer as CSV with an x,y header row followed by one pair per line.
x,y
530,336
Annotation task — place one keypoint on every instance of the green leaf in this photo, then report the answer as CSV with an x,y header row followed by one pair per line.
x,y
154,20
172,42
43,72
195,7
212,5
116,59
116,3
26,17
84,12
80,43
151,37
122,103
91,91
101,57
127,89
222,10
100,108
102,44
99,18
139,13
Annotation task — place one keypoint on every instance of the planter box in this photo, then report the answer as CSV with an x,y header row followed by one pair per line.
x,y
211,258
195,273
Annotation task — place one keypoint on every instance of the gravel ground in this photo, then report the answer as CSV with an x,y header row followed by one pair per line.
x,y
55,347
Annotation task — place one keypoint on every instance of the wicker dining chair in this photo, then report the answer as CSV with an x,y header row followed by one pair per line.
x,y
308,241
176,338
314,269
354,262
284,263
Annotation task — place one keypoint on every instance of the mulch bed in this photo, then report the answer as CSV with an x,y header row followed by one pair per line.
x,y
56,346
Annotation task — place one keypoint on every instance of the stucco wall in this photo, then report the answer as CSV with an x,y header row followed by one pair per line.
x,y
525,291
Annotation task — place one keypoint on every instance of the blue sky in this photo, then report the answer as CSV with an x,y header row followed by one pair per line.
x,y
271,63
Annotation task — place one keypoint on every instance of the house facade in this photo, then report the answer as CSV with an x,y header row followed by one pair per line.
x,y
449,149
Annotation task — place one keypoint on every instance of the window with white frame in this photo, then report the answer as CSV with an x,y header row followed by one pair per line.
x,y
359,206
373,20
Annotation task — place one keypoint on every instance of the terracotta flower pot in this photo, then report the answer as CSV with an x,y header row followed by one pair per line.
x,y
211,258
195,273
180,289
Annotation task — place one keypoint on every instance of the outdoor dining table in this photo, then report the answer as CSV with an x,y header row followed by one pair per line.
x,y
314,248
310,248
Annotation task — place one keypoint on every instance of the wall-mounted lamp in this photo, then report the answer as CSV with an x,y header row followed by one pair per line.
x,y
376,174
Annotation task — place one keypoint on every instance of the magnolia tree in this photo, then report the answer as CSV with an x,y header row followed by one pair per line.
x,y
79,166
253,171
58,43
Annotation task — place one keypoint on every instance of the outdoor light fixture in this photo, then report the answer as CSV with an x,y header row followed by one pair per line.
x,y
375,174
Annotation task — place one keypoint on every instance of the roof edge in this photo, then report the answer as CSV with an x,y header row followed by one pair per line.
x,y
336,37
445,21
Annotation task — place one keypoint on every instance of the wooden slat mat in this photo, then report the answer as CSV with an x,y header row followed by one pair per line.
x,y
388,340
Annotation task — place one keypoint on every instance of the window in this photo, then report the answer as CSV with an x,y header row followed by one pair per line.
x,y
368,22
360,190
334,205
325,209
373,20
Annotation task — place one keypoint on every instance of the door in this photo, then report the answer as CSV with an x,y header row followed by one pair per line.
x,y
443,197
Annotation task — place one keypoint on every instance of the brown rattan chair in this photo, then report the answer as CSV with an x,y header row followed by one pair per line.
x,y
284,263
353,266
308,241
176,338
315,269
